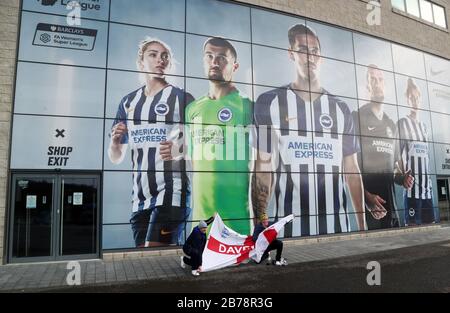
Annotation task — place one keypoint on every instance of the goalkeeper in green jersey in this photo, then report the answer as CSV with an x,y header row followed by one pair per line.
x,y
218,142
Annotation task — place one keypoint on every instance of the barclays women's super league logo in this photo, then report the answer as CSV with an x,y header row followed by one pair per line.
x,y
66,37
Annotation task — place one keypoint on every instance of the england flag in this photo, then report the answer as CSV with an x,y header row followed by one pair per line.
x,y
267,236
226,247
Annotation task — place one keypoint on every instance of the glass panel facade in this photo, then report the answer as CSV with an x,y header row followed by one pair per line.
x,y
176,104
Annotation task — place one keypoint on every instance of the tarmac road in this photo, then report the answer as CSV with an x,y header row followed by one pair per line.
x,y
424,268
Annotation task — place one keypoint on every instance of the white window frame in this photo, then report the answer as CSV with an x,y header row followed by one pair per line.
x,y
433,5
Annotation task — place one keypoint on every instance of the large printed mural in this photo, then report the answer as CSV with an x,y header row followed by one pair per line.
x,y
201,106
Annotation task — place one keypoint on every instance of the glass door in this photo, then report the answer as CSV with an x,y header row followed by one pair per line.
x,y
444,198
33,216
54,217
78,216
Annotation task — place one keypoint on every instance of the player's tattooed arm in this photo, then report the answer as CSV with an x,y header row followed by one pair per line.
x,y
261,185
260,192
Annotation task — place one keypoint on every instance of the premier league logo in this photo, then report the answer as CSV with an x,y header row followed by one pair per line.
x,y
225,115
161,109
326,121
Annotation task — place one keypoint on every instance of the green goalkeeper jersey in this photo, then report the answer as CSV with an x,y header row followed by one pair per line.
x,y
219,147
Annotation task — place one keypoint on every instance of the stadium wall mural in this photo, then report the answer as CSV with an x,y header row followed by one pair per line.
x,y
188,108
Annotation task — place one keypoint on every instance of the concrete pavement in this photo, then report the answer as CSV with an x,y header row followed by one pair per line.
x,y
135,266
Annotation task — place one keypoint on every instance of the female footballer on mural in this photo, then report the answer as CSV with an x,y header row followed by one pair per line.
x,y
146,119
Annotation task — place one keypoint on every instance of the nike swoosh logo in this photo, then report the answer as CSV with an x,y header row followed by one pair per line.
x,y
290,118
164,233
371,128
435,73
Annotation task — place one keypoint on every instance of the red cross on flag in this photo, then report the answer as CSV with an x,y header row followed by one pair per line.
x,y
226,247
